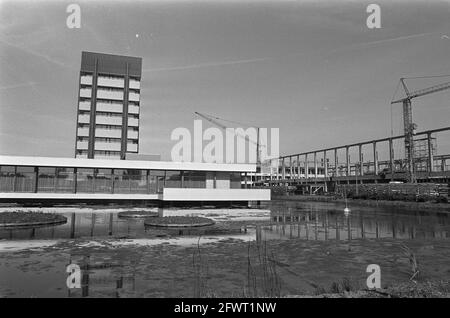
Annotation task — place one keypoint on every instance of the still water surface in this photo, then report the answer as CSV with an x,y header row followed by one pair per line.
x,y
167,272
309,221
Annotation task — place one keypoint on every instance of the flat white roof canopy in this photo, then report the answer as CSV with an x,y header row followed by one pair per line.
x,y
123,164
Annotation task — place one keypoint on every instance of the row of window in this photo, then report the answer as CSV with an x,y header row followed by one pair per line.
x,y
50,179
112,102
111,89
110,127
108,75
108,114
100,152
109,80
109,101
107,139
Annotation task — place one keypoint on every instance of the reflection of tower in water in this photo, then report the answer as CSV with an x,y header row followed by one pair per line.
x,y
101,276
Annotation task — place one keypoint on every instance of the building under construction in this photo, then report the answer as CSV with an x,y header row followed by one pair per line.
x,y
324,169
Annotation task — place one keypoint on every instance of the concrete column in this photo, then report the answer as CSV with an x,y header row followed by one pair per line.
x,y
391,158
182,178
55,181
298,167
283,172
75,179
278,169
124,137
15,179
336,162
375,158
92,118
443,162
430,154
325,167
361,163
347,158
306,167
36,179
290,167
315,166
112,181
270,171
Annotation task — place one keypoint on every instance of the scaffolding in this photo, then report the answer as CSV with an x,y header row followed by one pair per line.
x,y
421,152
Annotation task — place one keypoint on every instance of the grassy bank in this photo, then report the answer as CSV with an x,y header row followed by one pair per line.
x,y
441,207
427,289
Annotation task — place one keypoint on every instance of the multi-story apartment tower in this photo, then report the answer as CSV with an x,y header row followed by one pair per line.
x,y
108,106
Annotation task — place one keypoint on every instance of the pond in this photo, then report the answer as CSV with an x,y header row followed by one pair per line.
x,y
314,243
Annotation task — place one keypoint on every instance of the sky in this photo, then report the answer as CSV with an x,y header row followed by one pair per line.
x,y
313,69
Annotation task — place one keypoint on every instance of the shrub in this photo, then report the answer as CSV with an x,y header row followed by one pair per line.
x,y
441,199
424,198
384,196
363,196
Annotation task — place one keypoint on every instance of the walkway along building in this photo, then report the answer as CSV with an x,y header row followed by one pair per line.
x,y
46,179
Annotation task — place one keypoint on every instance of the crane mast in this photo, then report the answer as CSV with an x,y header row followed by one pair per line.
x,y
408,125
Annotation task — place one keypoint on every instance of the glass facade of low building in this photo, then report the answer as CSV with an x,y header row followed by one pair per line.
x,y
93,180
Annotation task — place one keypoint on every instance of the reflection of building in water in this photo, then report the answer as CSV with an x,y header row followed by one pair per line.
x,y
79,225
102,276
315,225
107,224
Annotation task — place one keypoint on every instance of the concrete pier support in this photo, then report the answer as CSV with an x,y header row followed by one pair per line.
x,y
391,158
430,153
325,167
315,166
306,166
336,163
347,158
291,172
361,162
278,169
375,158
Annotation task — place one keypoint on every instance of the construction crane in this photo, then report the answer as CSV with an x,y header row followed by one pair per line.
x,y
214,120
408,124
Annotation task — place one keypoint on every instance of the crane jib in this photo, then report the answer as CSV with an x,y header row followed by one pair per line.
x,y
425,91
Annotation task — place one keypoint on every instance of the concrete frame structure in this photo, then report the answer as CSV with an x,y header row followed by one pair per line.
x,y
63,179
108,106
356,172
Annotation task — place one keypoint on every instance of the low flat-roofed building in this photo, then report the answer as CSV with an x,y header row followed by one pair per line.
x,y
37,179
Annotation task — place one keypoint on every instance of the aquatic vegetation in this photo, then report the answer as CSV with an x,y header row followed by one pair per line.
x,y
179,221
412,261
23,218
